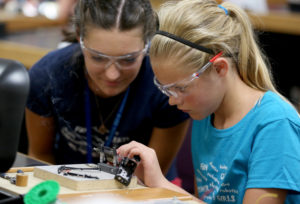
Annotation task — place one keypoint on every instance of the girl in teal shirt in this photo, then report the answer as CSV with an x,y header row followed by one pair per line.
x,y
245,136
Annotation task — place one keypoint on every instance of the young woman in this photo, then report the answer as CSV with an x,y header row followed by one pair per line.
x,y
99,90
245,135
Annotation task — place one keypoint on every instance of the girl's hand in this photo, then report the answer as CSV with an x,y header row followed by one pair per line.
x,y
148,169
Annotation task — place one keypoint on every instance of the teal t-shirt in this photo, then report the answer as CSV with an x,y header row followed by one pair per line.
x,y
260,151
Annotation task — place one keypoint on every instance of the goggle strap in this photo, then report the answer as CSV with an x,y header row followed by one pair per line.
x,y
184,41
215,57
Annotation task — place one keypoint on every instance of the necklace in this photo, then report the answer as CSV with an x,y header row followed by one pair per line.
x,y
103,129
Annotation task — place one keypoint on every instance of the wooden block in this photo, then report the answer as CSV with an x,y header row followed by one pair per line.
x,y
106,180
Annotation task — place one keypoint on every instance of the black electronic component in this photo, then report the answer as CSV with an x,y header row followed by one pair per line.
x,y
125,171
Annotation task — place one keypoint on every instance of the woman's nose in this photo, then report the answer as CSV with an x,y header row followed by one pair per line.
x,y
112,72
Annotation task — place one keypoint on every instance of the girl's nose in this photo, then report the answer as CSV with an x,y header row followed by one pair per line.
x,y
175,100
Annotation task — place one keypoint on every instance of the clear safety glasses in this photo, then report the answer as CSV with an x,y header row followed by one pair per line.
x,y
127,61
177,88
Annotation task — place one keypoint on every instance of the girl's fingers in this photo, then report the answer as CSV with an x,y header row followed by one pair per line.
x,y
124,150
148,170
134,151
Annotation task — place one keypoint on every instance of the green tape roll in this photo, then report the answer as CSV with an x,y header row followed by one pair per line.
x,y
43,193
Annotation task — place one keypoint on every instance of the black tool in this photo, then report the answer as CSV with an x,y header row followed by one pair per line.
x,y
64,168
80,175
12,179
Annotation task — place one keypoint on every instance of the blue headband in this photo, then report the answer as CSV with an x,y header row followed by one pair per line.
x,y
222,7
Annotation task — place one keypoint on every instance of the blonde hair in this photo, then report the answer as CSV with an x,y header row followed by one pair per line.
x,y
204,23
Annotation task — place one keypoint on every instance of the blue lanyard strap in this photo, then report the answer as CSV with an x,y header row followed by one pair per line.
x,y
89,124
117,120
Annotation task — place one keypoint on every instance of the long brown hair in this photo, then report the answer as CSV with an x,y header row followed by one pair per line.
x,y
108,14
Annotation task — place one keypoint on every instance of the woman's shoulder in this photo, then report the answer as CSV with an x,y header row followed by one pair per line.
x,y
66,49
56,68
57,58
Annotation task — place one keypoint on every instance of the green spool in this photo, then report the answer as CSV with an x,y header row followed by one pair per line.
x,y
43,193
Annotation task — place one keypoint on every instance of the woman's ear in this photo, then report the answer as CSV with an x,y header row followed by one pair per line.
x,y
221,65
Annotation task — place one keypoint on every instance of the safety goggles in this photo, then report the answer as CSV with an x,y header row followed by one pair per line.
x,y
127,61
177,88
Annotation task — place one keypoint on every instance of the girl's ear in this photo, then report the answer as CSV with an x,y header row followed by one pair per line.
x,y
221,65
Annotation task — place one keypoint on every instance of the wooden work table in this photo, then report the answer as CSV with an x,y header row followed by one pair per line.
x,y
139,193
18,22
29,49
278,19
277,22
26,54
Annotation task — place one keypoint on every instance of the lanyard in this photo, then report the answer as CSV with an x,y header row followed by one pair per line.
x,y
88,121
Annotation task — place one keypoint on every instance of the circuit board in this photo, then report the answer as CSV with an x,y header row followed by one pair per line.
x,y
93,179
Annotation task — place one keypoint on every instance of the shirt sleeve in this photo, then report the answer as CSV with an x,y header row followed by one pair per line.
x,y
39,100
275,157
168,116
